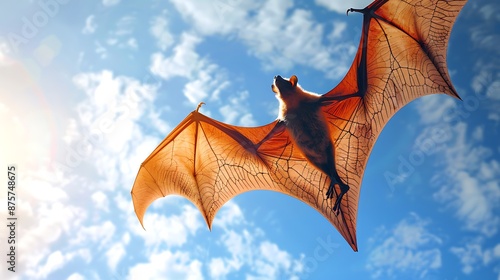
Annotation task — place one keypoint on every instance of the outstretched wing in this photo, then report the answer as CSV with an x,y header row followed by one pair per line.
x,y
210,162
401,56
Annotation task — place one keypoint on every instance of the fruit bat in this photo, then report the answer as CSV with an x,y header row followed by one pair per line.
x,y
318,147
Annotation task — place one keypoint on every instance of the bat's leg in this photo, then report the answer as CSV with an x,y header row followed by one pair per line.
x,y
334,182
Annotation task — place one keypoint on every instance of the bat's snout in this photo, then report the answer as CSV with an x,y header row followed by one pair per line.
x,y
275,85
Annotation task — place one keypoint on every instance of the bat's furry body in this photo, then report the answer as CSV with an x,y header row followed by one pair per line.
x,y
318,148
301,112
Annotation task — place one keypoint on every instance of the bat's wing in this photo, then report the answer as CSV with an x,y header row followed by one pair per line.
x,y
401,56
210,162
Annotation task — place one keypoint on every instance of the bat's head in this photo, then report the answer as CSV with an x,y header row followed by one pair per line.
x,y
284,87
291,96
286,92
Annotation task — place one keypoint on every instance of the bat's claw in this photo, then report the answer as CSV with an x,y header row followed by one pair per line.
x,y
336,206
332,192
356,10
199,106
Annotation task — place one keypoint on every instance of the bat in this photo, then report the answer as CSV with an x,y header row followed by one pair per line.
x,y
318,147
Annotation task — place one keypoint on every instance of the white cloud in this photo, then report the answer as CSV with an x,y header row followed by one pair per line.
x,y
409,247
236,111
44,225
49,212
168,265
125,25
338,29
100,234
209,83
469,256
162,126
282,41
115,254
100,200
172,230
218,268
56,261
273,260
109,115
478,134
485,39
184,61
215,17
120,36
206,79
263,258
100,50
279,38
90,25
473,256
110,2
472,187
75,276
341,6
132,43
229,215
489,11
434,108
486,84
468,183
159,29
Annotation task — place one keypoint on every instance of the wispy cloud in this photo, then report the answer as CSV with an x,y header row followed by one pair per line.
x,y
281,38
159,29
471,186
205,79
485,40
474,256
117,251
407,248
90,25
236,110
110,2
55,261
168,265
169,230
215,17
248,248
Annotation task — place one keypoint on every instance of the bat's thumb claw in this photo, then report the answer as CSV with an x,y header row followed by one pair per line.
x,y
199,106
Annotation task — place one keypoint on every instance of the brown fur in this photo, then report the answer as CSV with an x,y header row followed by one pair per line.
x,y
304,120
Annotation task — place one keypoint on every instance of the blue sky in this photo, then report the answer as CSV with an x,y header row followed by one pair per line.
x,y
89,88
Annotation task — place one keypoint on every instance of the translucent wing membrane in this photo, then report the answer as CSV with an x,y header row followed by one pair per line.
x,y
401,56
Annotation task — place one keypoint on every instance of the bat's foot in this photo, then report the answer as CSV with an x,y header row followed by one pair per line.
x,y
333,192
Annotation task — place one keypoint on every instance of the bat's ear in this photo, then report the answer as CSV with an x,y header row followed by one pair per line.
x,y
294,80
